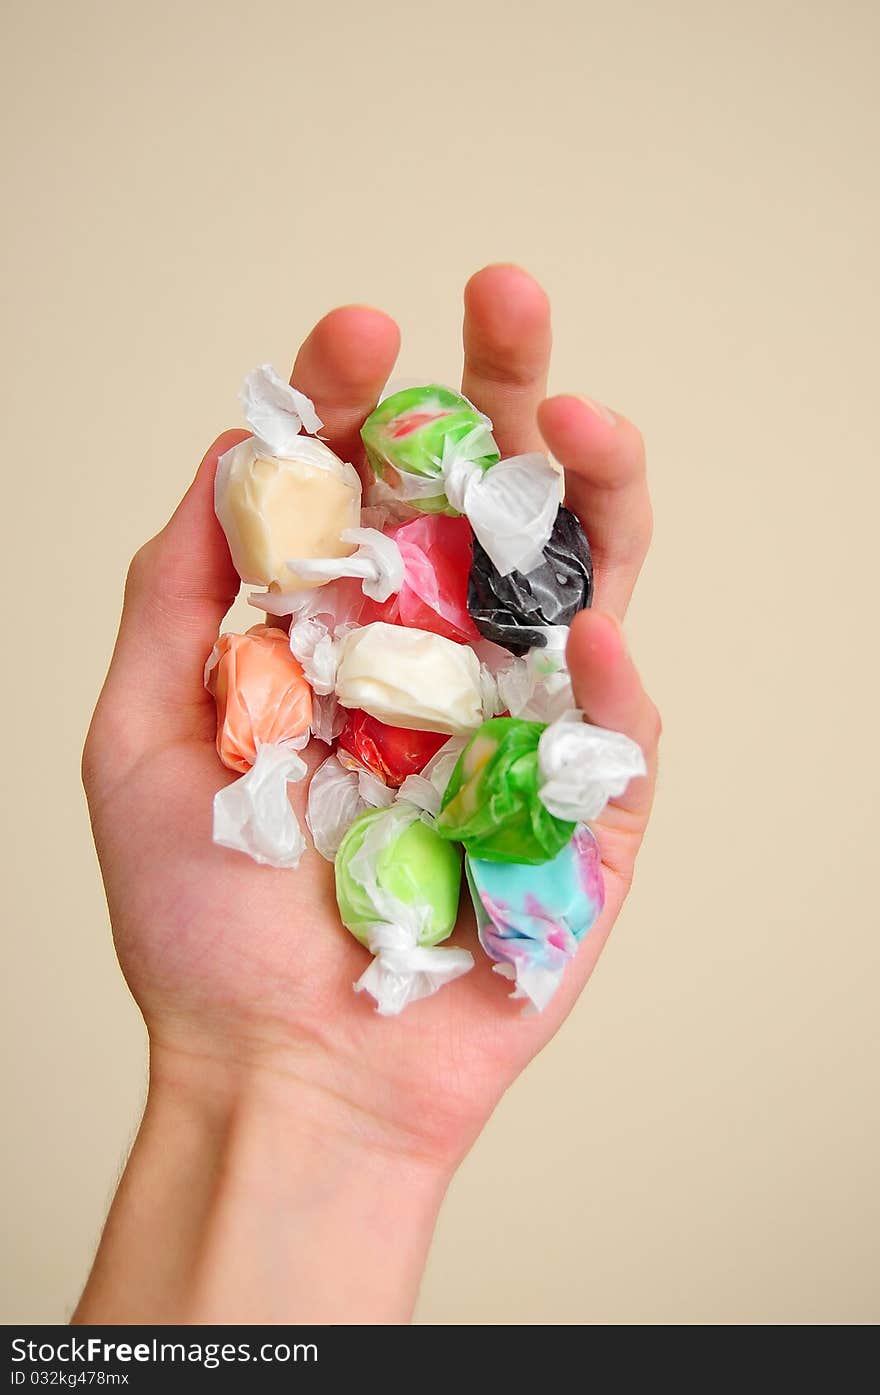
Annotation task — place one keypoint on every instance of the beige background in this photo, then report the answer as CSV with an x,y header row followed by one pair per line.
x,y
188,187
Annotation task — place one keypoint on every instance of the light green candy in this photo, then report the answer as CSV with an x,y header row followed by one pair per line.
x,y
414,865
411,432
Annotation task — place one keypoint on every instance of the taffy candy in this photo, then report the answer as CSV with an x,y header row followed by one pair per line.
x,y
413,574
407,678
282,494
391,753
513,610
436,552
264,710
397,887
519,788
431,449
531,918
409,433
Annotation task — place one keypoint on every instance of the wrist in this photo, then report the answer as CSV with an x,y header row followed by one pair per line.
x,y
318,1212
253,1195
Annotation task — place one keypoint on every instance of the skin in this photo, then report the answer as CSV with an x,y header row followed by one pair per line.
x,y
295,1146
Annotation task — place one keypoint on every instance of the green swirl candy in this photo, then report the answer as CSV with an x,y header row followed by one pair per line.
x,y
411,432
492,804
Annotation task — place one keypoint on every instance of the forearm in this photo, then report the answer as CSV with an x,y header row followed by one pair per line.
x,y
261,1203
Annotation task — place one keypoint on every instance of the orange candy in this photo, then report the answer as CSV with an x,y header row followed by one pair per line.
x,y
262,697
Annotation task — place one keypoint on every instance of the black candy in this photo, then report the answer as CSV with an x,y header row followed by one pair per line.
x,y
506,609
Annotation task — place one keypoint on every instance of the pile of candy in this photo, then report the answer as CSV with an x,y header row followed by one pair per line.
x,y
413,623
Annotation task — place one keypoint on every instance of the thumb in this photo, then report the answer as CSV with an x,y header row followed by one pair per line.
x,y
608,689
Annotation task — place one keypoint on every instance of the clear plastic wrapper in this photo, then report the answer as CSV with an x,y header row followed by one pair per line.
x,y
281,493
520,788
397,887
264,713
432,449
531,919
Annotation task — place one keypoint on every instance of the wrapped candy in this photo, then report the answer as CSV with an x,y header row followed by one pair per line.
x,y
519,788
406,678
431,449
281,494
397,887
531,918
390,753
413,574
513,610
264,710
436,553
409,432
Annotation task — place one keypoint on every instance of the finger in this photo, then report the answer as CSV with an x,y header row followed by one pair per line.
x,y
608,691
179,587
343,366
605,485
507,342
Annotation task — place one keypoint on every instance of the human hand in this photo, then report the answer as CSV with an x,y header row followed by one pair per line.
x,y
244,973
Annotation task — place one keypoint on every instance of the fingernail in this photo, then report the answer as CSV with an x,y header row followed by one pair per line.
x,y
603,413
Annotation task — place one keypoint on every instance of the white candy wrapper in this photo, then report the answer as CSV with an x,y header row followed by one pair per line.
x,y
583,766
537,686
276,412
253,815
328,718
376,563
511,506
426,789
404,969
280,492
337,796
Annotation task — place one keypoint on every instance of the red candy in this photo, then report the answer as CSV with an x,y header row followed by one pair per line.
x,y
436,553
389,752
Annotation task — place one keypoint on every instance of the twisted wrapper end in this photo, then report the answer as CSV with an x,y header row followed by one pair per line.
x,y
253,815
376,563
583,766
404,971
276,412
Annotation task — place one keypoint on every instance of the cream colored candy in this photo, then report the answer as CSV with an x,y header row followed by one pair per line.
x,y
410,678
274,508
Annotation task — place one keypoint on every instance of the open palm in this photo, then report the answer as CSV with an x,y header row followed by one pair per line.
x,y
248,966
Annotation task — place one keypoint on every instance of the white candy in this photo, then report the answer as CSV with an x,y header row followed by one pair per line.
x,y
280,493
